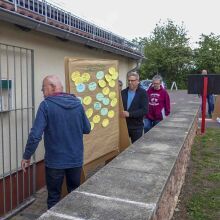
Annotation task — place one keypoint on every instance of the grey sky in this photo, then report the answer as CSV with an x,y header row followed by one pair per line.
x,y
138,18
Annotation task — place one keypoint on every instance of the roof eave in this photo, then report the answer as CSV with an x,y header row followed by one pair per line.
x,y
15,18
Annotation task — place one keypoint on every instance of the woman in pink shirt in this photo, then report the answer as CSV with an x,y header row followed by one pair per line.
x,y
159,104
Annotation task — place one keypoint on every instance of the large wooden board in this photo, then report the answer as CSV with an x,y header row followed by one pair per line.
x,y
102,140
216,112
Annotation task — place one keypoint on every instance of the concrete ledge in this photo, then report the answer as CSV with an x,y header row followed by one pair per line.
x,y
144,181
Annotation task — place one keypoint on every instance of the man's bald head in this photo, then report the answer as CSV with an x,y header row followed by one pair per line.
x,y
51,85
204,72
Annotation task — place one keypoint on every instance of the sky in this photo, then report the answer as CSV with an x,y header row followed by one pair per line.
x,y
138,18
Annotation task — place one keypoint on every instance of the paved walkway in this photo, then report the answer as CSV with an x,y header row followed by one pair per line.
x,y
209,123
34,210
39,206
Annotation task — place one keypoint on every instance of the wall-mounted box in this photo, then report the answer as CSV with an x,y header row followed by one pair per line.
x,y
5,95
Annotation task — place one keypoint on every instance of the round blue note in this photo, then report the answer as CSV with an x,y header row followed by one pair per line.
x,y
99,96
97,105
92,86
104,111
80,87
100,74
106,101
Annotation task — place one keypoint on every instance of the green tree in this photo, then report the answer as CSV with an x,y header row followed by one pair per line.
x,y
168,53
207,55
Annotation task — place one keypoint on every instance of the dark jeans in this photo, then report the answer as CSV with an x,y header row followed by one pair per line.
x,y
135,134
210,100
148,124
54,181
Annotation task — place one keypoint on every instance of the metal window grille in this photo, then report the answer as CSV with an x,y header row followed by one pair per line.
x,y
16,117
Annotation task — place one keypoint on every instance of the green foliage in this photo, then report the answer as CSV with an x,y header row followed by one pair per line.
x,y
214,177
207,55
204,201
168,53
204,205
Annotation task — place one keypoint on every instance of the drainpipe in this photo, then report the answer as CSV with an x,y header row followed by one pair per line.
x,y
138,65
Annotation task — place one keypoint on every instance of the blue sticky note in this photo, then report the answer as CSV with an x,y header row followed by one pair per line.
x,y
80,87
92,86
104,111
100,74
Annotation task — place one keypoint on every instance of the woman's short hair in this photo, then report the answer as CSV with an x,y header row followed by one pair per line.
x,y
157,77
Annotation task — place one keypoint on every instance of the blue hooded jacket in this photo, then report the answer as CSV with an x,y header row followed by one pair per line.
x,y
63,121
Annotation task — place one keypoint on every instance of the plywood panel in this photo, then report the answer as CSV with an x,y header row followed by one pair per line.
x,y
84,79
216,112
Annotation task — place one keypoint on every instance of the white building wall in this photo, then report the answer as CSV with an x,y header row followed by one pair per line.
x,y
49,53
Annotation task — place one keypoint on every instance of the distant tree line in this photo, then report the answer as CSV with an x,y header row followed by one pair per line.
x,y
168,52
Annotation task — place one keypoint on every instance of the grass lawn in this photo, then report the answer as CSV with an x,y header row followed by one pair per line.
x,y
200,195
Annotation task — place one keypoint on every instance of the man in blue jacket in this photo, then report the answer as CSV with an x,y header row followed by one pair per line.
x,y
63,121
135,104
